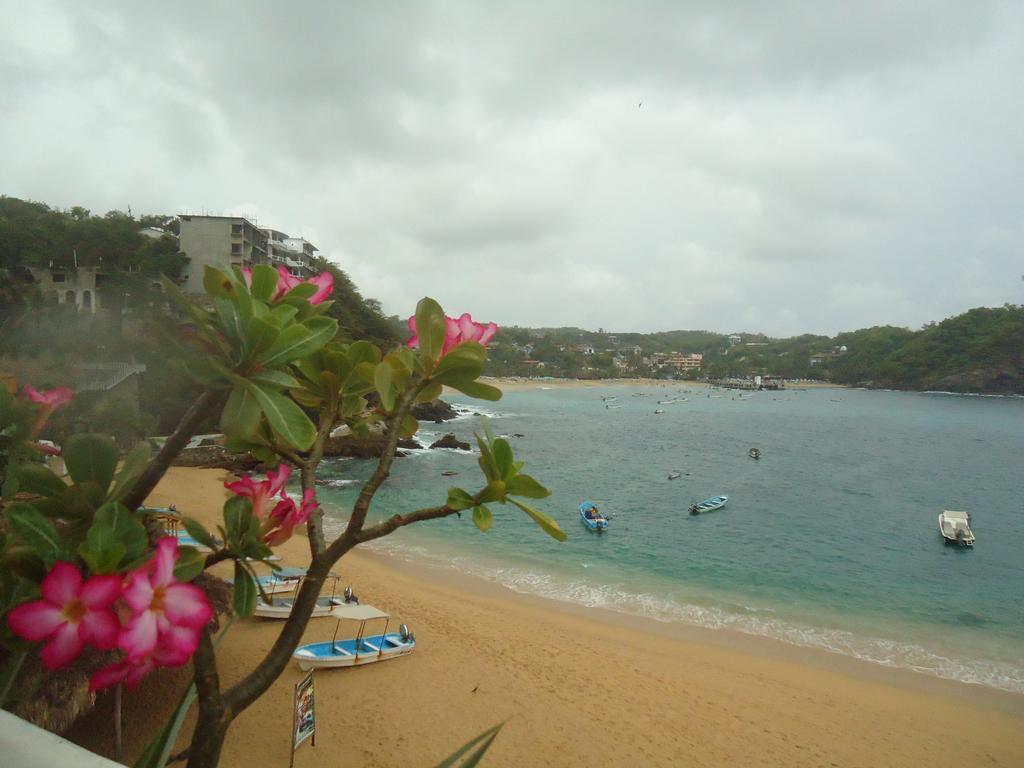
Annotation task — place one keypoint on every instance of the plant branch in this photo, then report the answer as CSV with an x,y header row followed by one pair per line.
x,y
203,407
395,522
380,474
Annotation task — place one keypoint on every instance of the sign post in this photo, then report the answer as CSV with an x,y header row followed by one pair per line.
x,y
303,717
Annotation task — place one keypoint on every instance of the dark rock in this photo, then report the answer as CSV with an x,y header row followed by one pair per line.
x,y
436,411
409,443
217,456
356,447
450,441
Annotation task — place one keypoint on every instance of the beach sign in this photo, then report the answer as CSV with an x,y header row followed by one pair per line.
x,y
303,718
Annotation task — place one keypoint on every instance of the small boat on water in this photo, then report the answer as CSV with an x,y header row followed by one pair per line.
x,y
359,650
955,528
674,475
754,453
708,505
592,518
658,411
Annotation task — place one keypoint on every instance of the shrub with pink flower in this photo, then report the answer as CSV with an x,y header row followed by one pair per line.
x,y
277,524
48,402
457,331
286,281
73,611
162,617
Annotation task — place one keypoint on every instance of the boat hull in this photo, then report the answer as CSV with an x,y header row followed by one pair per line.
x,y
343,653
283,609
709,505
599,524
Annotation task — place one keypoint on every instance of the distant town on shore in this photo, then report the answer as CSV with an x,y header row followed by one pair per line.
x,y
101,276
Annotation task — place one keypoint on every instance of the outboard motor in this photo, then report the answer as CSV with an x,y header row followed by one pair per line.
x,y
406,634
350,596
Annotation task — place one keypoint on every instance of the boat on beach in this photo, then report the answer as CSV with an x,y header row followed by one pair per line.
x,y
592,518
281,580
955,528
708,505
281,607
359,650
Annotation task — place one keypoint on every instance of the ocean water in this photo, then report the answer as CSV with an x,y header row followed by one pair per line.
x,y
830,540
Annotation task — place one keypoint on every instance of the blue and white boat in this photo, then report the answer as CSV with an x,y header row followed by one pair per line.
x,y
281,607
709,505
359,650
592,518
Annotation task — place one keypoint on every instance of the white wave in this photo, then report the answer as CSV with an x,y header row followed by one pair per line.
x,y
750,620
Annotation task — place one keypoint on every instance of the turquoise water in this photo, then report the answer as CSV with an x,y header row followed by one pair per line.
x,y
830,540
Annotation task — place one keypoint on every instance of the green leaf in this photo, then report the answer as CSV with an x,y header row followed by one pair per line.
x,y
495,491
264,281
241,414
286,418
430,328
486,461
363,352
237,514
260,334
524,485
549,526
458,499
502,457
35,530
231,322
430,393
91,458
196,530
245,592
35,478
476,389
190,563
410,425
350,406
465,362
134,465
217,284
114,530
23,562
382,382
298,341
482,518
276,378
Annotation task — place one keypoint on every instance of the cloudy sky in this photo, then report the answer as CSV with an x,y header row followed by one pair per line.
x,y
778,167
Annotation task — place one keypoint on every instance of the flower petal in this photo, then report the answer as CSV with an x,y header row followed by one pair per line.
x,y
488,333
176,646
278,478
138,638
101,628
108,676
186,605
63,648
325,284
138,591
163,562
101,591
36,620
137,671
62,584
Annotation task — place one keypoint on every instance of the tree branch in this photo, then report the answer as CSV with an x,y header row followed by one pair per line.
x,y
395,522
380,474
203,407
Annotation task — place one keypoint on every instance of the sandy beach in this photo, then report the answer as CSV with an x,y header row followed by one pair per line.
x,y
573,687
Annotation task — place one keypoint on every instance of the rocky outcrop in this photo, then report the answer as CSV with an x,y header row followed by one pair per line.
x,y
364,447
450,441
218,457
436,411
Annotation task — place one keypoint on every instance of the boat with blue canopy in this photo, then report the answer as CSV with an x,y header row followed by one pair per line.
x,y
708,505
359,650
592,518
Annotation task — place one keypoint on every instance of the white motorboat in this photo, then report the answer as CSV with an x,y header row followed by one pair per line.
x,y
281,607
359,650
955,528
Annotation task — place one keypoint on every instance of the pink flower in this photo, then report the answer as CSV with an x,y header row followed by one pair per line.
x,y
46,447
262,492
55,398
170,651
286,517
162,607
72,613
457,332
286,281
